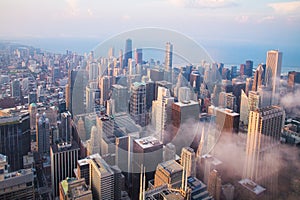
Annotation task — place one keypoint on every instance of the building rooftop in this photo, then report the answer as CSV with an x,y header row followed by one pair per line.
x,y
252,186
186,103
148,142
64,146
171,166
16,178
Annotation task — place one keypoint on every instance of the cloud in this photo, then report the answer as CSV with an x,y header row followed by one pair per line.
x,y
266,18
285,7
72,7
242,19
126,17
202,4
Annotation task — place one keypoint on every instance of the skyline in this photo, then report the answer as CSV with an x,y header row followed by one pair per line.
x,y
230,30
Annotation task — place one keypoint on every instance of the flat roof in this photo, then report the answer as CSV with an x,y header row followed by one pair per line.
x,y
147,142
171,166
252,186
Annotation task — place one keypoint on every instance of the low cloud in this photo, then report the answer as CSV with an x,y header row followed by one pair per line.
x,y
201,4
285,7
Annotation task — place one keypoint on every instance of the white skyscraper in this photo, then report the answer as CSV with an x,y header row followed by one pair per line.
x,y
273,70
161,113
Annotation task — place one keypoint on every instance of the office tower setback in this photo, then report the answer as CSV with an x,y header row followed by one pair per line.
x,y
94,145
128,52
138,103
64,157
42,134
273,71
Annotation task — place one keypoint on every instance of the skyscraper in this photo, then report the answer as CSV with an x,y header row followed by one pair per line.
x,y
273,71
264,131
214,184
138,56
92,93
64,157
105,85
15,88
168,61
188,161
15,137
259,77
42,134
162,113
128,52
138,103
65,130
93,71
249,68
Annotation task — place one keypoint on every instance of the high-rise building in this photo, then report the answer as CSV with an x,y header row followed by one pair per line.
x,y
169,172
249,68
249,103
273,72
227,120
138,103
15,88
168,57
92,94
32,112
94,144
15,137
293,78
148,153
42,134
93,71
259,77
81,129
102,178
168,62
65,129
64,158
105,86
265,94
214,184
188,161
128,52
72,188
120,96
138,56
162,113
264,131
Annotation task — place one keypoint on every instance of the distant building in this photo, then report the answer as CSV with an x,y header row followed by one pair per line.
x,y
15,88
138,56
168,61
128,52
273,72
259,77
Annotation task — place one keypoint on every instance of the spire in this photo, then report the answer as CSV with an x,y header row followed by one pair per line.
x,y
200,147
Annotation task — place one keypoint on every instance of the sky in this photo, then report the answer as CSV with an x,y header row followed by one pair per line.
x,y
274,22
